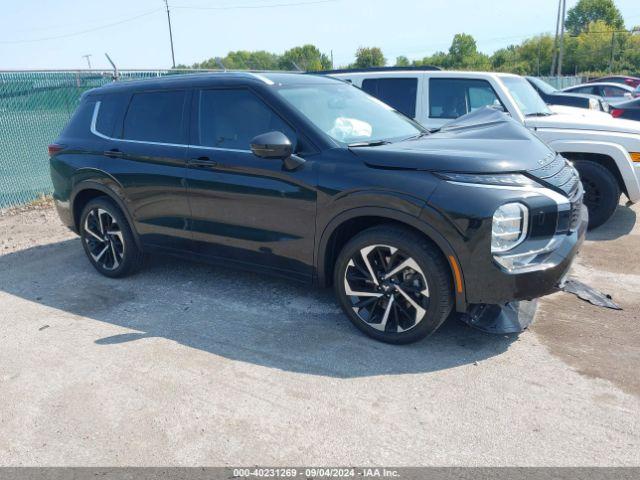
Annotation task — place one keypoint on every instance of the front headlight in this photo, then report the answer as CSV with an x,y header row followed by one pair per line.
x,y
594,104
509,227
507,179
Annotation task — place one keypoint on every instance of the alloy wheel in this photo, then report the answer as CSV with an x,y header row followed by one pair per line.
x,y
104,239
387,288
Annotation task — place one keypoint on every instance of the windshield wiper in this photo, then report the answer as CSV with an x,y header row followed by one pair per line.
x,y
372,143
420,135
539,114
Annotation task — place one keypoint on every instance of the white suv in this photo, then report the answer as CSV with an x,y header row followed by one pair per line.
x,y
605,150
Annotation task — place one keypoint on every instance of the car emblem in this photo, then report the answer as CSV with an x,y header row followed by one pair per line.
x,y
546,159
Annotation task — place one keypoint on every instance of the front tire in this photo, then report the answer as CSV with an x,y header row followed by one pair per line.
x,y
393,284
601,191
107,239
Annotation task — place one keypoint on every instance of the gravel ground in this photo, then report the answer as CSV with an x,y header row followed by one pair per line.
x,y
187,364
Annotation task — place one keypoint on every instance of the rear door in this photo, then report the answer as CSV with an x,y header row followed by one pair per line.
x,y
248,209
148,153
399,92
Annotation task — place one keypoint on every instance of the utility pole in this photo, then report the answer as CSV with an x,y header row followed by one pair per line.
x,y
555,40
173,57
87,56
613,47
564,8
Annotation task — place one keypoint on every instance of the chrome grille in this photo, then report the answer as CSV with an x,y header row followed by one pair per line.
x,y
560,174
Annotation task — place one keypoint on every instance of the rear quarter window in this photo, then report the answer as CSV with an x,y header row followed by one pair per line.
x,y
80,123
110,113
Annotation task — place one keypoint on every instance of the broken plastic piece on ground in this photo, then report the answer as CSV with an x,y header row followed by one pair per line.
x,y
512,317
591,295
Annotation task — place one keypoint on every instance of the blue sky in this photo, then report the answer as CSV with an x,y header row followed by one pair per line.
x,y
46,34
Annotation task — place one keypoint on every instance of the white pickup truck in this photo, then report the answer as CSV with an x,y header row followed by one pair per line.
x,y
605,150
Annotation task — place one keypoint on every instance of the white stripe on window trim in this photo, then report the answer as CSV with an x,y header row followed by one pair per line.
x,y
94,130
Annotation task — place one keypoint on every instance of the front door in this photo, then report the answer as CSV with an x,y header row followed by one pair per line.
x,y
247,209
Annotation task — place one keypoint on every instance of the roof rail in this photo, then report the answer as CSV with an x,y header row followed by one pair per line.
x,y
374,69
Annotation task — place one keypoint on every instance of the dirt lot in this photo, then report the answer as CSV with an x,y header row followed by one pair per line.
x,y
189,364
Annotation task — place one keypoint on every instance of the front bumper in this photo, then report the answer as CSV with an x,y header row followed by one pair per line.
x,y
500,286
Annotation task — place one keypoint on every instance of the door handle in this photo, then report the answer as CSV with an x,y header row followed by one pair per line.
x,y
113,153
202,162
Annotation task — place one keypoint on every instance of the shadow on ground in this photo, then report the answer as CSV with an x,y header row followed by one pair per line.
x,y
619,225
238,315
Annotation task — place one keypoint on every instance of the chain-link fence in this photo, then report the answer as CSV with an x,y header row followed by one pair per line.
x,y
563,82
34,108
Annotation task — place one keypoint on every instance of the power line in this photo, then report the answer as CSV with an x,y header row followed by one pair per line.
x,y
273,5
82,32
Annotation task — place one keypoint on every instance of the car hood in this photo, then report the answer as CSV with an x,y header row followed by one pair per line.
x,y
558,93
581,119
584,112
484,141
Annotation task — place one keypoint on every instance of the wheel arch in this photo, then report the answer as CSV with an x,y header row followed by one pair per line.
x,y
86,190
344,226
610,155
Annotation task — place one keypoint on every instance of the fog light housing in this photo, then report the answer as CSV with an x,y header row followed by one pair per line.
x,y
509,227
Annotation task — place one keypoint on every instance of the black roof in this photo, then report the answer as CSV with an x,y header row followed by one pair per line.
x,y
204,79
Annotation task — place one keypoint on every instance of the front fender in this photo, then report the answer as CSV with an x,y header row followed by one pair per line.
x,y
617,152
393,215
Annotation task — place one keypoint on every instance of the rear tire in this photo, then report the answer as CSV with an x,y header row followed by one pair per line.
x,y
601,191
393,284
107,239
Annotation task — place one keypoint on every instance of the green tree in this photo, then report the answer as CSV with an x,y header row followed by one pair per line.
x,y
306,57
591,51
402,61
589,11
438,59
369,57
464,54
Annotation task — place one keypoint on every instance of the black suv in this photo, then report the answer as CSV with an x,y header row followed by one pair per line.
x,y
312,179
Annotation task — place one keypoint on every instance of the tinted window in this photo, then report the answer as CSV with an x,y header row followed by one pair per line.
x,y
453,97
110,114
231,118
590,90
400,93
80,122
613,91
155,117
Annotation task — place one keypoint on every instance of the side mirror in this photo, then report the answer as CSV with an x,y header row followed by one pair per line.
x,y
272,145
276,145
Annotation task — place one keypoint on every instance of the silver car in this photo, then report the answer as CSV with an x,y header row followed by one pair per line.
x,y
612,92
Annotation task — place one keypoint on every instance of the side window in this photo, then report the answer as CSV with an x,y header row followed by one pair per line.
x,y
454,97
613,91
400,93
591,90
155,117
231,118
109,120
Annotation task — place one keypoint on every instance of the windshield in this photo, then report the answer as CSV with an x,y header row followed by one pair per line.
x,y
348,115
525,96
542,85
